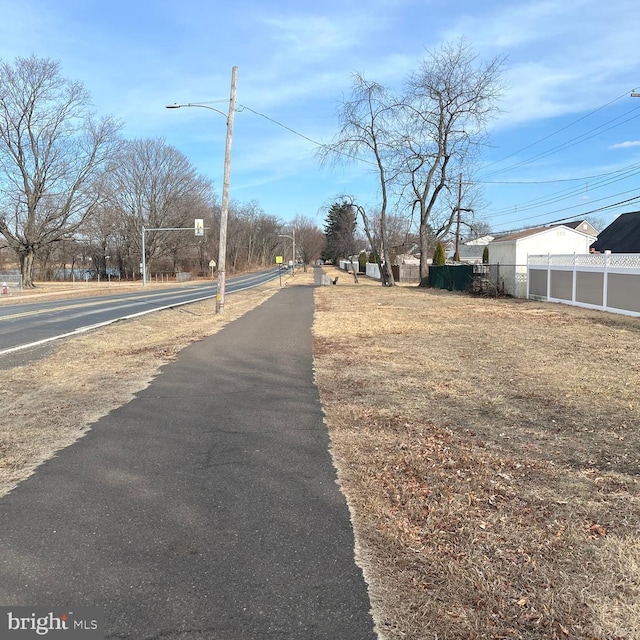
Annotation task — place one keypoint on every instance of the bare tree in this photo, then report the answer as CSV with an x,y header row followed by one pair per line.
x,y
252,236
310,240
51,151
101,233
401,236
156,187
446,109
368,132
268,230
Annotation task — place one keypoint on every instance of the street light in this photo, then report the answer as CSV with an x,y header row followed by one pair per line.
x,y
224,212
293,248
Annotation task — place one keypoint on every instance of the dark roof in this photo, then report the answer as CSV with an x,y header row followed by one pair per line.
x,y
621,236
574,224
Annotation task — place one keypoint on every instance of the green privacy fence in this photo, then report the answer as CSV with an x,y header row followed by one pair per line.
x,y
453,277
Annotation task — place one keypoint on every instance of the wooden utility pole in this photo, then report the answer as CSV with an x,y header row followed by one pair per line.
x,y
224,211
456,255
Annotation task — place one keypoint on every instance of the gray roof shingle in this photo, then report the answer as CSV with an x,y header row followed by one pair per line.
x,y
621,236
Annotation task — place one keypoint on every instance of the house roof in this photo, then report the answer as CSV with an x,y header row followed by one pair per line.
x,y
621,236
520,234
467,251
481,241
532,232
580,225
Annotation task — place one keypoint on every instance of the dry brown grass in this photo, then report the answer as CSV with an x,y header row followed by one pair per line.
x,y
489,450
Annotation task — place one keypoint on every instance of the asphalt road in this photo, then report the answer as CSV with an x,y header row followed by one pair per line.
x,y
206,508
24,325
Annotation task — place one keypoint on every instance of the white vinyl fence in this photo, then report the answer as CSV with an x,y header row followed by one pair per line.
x,y
607,281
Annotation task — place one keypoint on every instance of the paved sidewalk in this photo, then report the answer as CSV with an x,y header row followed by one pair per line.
x,y
206,508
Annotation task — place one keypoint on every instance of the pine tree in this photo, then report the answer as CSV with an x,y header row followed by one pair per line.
x,y
339,230
439,257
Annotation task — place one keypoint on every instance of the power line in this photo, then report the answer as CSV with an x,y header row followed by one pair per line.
x,y
573,142
284,126
557,180
542,201
586,213
571,124
302,135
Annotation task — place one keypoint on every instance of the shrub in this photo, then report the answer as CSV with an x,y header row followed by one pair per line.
x,y
438,255
362,261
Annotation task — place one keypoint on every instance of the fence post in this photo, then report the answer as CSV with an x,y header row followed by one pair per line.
x,y
605,279
574,284
548,276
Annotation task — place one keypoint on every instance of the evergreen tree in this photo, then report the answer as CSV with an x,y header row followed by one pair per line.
x,y
439,257
362,261
339,230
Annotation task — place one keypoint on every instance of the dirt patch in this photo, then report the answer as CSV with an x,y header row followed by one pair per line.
x,y
490,453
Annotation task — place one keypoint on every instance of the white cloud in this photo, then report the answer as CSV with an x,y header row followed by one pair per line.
x,y
562,57
625,145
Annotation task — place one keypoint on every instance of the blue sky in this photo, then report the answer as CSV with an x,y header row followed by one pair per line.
x,y
566,143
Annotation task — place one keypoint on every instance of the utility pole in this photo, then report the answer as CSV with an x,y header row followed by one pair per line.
x,y
456,255
459,209
224,211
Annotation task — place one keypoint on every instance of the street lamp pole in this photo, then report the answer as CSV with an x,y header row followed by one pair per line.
x,y
293,248
224,210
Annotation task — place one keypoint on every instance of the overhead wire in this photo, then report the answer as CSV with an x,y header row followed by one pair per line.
x,y
601,181
581,205
305,137
573,142
564,128
614,205
541,201
280,124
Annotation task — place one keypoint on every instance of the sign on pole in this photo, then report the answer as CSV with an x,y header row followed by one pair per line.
x,y
199,226
279,260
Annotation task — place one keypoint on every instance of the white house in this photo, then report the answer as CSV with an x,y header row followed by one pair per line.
x,y
510,252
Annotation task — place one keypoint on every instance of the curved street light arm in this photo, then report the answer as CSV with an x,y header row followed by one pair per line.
x,y
195,104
